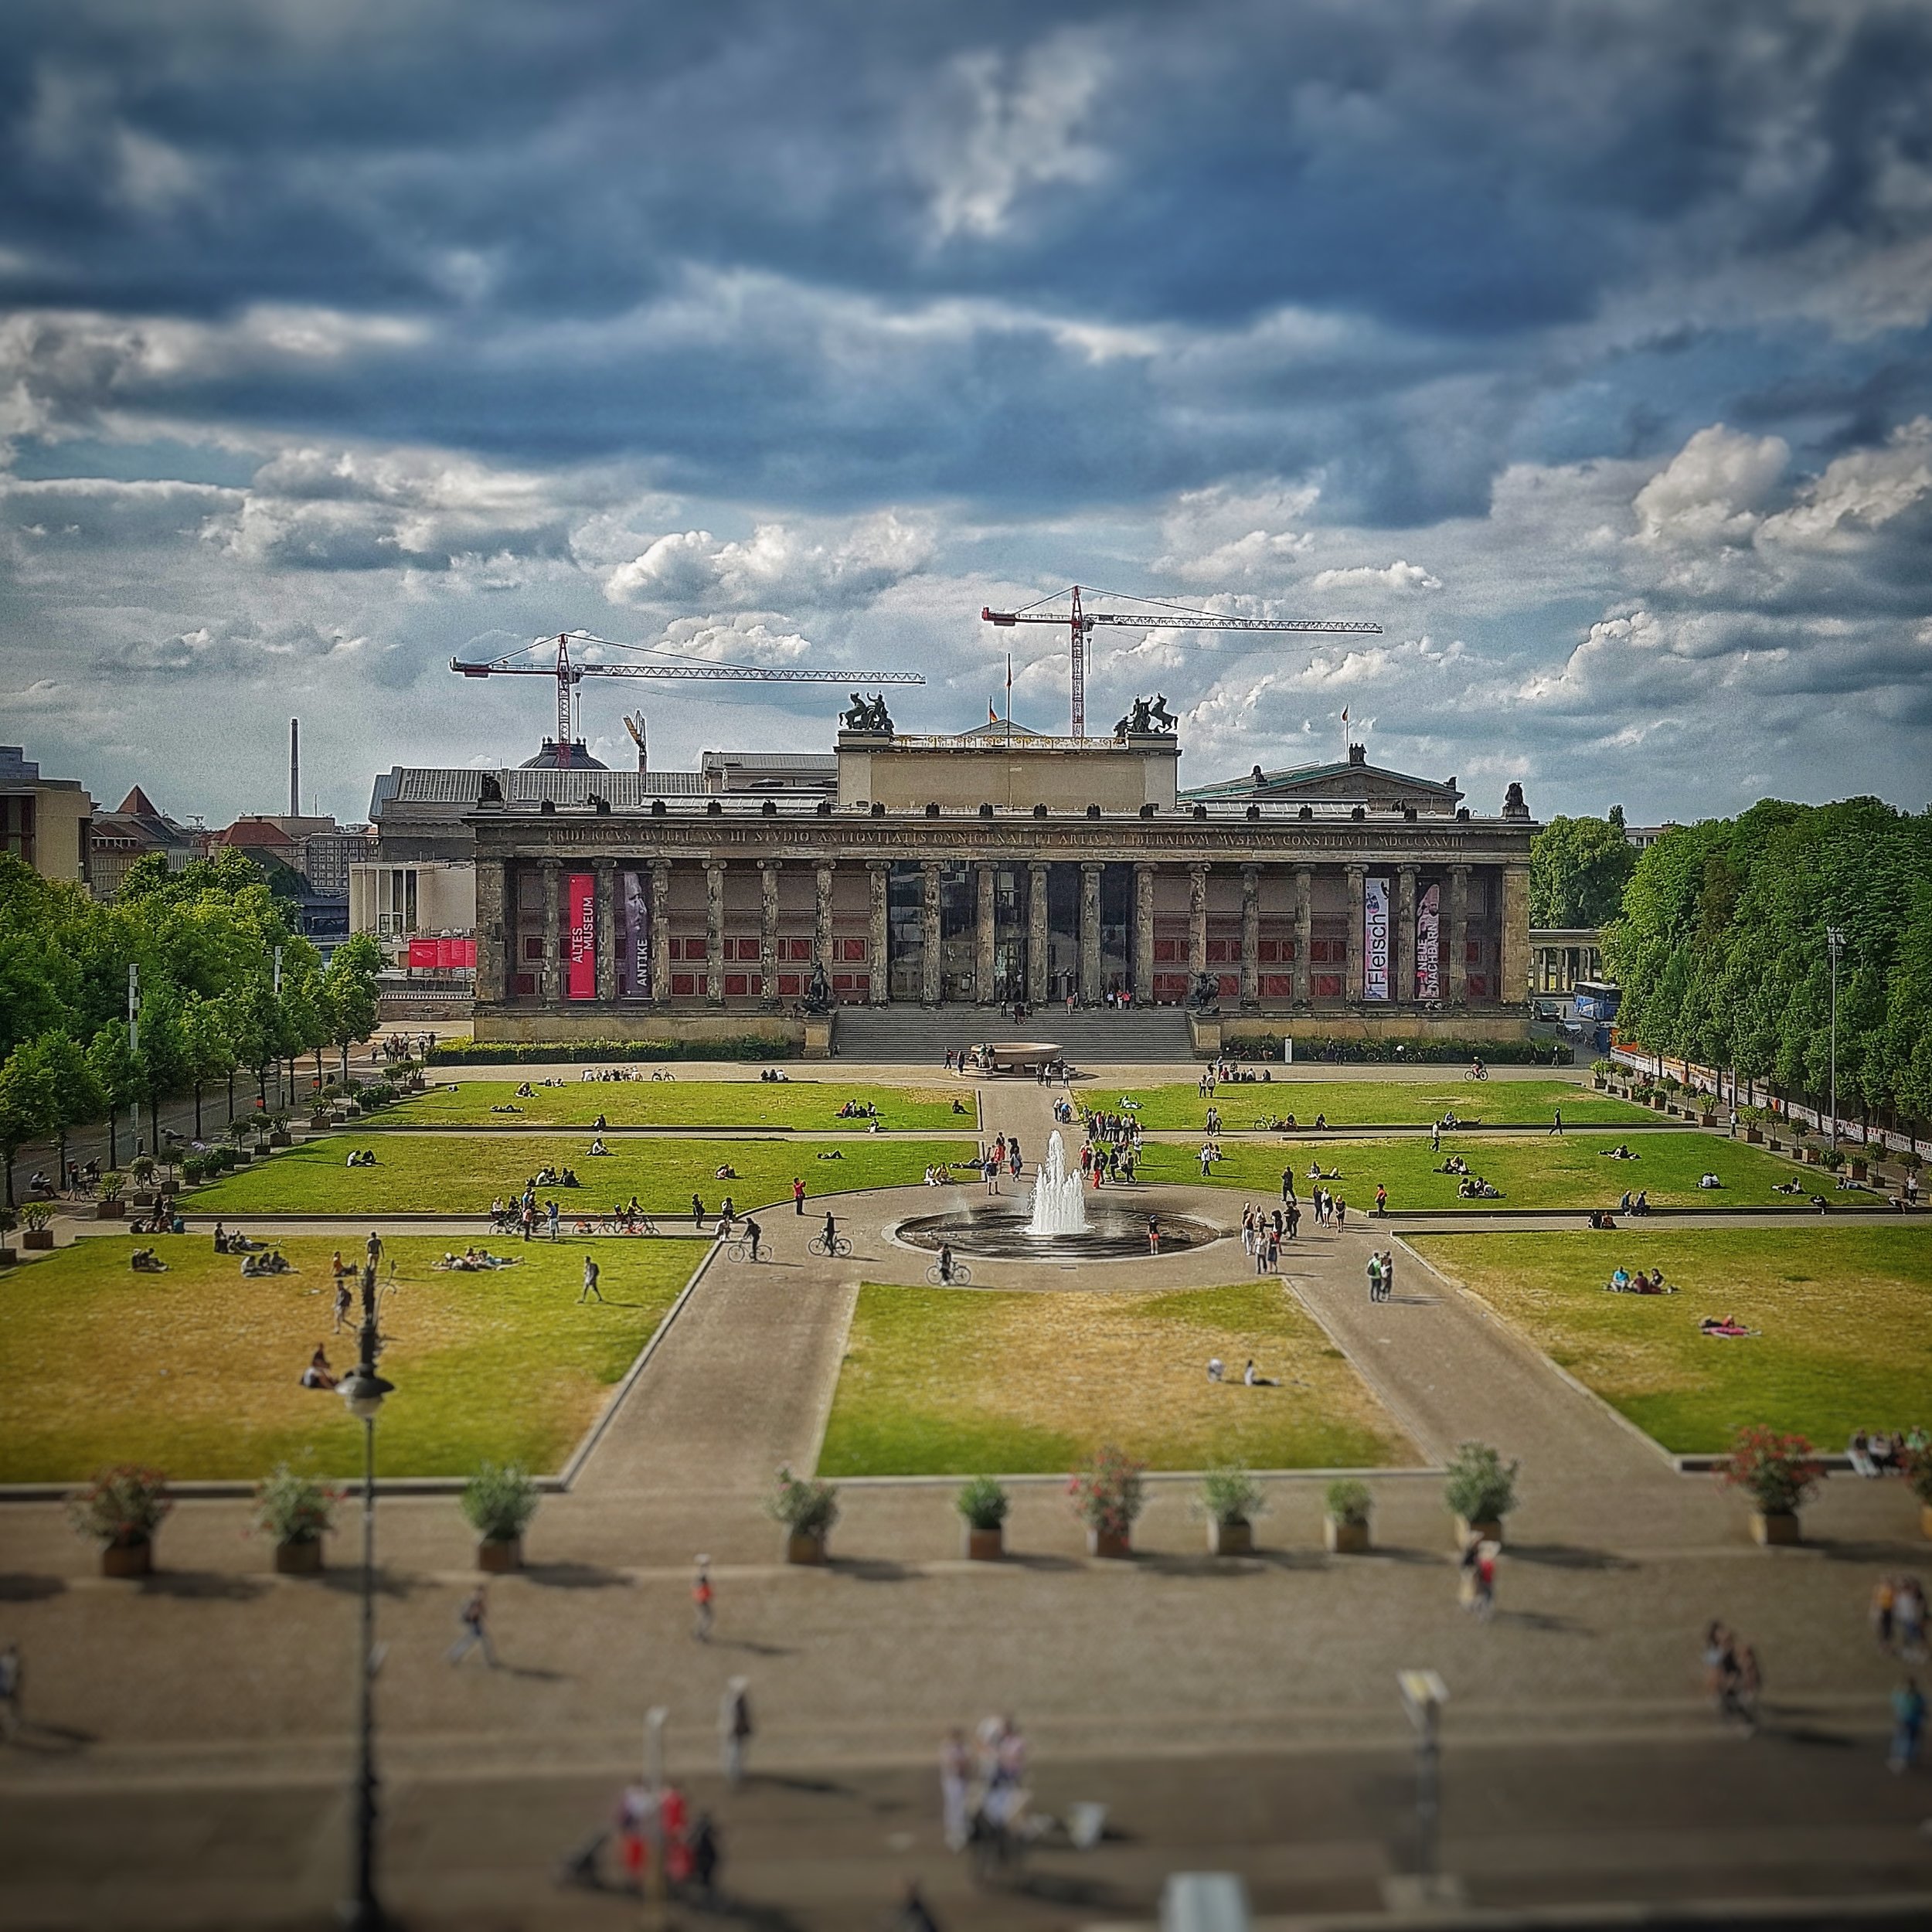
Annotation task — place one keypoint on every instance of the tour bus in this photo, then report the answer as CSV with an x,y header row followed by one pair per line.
x,y
1594,1008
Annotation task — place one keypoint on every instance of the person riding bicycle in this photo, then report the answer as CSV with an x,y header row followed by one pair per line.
x,y
945,1262
1476,1070
830,1236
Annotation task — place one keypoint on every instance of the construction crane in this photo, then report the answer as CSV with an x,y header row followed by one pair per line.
x,y
1080,621
569,672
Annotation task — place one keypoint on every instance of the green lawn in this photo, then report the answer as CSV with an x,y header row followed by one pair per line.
x,y
463,1173
954,1382
195,1371
1845,1315
1532,1170
1495,1103
795,1103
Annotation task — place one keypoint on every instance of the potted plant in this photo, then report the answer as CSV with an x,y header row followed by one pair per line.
x,y
1230,1499
298,1512
499,1500
1108,1494
1600,1071
982,1504
143,1166
1918,1473
35,1217
1345,1524
121,1509
238,1131
807,1508
108,1205
1481,1491
278,1133
1778,1472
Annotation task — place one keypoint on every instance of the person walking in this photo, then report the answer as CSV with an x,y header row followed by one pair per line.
x,y
701,1603
372,1248
1908,1723
344,1302
706,1855
473,1620
590,1291
1388,1273
1288,1186
955,1776
829,1234
1382,1201
1557,1120
553,1213
1435,1136
735,1730
1293,1217
1341,1208
798,1196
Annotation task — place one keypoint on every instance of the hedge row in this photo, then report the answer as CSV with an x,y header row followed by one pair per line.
x,y
739,1046
1409,1053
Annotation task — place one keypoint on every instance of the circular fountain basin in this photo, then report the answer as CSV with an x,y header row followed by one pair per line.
x,y
1116,1232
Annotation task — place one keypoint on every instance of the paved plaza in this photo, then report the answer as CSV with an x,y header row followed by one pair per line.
x,y
189,1739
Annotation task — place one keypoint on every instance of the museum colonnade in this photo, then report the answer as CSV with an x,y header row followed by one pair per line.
x,y
753,934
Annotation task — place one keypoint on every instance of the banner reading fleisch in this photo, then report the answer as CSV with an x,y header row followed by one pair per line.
x,y
1429,943
1375,939
633,937
581,980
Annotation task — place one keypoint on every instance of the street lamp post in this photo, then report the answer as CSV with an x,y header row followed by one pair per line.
x,y
1423,1695
363,1389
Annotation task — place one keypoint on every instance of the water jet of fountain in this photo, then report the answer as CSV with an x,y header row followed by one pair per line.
x,y
1059,1200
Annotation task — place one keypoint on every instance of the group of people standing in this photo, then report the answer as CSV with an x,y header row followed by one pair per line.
x,y
1263,1233
983,1794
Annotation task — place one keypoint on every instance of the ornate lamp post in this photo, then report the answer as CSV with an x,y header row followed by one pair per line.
x,y
363,1389
1834,946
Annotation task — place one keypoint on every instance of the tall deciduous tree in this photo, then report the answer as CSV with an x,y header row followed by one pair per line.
x,y
1578,868
117,1076
351,998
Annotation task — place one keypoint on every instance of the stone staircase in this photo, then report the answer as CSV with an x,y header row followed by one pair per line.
x,y
919,1035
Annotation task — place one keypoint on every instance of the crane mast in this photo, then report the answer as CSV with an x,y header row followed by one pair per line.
x,y
1080,621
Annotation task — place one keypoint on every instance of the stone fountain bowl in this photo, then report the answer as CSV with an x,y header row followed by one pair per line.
x,y
1117,1231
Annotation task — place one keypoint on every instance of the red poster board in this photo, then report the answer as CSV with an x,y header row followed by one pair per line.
x,y
580,981
444,953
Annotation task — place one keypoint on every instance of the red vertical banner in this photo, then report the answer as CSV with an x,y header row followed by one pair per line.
x,y
580,902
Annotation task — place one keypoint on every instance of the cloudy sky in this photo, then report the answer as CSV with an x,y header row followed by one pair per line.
x,y
1585,347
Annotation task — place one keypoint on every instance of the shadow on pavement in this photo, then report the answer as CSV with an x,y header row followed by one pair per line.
x,y
349,1582
573,1576
30,1590
1568,1556
204,1585
872,1570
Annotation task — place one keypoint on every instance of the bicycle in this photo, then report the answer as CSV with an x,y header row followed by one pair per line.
x,y
738,1249
1475,1072
961,1276
840,1248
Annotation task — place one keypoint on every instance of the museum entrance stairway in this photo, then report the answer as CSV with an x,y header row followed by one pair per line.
x,y
1092,1037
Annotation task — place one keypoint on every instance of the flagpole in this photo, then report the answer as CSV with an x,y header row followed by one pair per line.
x,y
1009,694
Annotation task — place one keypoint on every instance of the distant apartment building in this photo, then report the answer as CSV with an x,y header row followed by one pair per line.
x,y
1644,837
46,823
135,828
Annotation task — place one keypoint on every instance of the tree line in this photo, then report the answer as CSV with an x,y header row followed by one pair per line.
x,y
1719,945
204,944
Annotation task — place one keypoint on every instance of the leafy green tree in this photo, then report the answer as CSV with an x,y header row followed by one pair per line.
x,y
115,1076
29,1101
351,997
207,1052
161,1053
1578,868
77,1092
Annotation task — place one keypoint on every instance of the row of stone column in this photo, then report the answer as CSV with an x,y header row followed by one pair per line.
x,y
1514,963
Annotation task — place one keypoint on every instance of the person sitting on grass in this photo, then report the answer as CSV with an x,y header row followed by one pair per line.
x,y
1619,1281
1788,1187
568,1179
1640,1202
1709,1181
597,1147
1217,1370
526,1092
145,1261
1253,1380
1600,1218
1455,1164
1620,1152
727,1172
318,1374
598,1124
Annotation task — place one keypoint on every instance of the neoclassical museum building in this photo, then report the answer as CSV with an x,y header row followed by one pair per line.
x,y
977,869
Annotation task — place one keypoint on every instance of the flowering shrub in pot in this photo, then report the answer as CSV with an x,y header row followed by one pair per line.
x,y
121,1510
1108,1494
1480,1491
1347,1519
499,1500
1778,1472
808,1509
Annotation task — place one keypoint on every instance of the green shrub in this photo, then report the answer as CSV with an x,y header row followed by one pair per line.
x,y
1110,1492
1310,1049
1481,1487
806,1506
738,1046
112,1185
123,1506
1350,1502
294,1508
1230,1494
983,1503
1778,1471
499,1500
